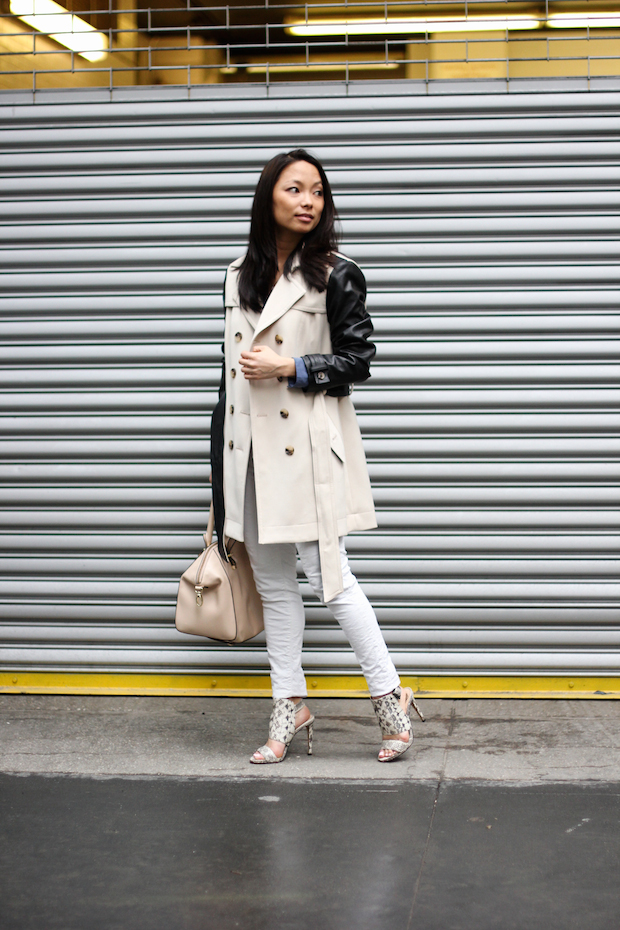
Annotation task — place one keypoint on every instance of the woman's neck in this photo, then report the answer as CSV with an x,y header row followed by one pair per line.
x,y
286,242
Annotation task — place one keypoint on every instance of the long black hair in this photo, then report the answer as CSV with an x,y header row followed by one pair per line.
x,y
314,252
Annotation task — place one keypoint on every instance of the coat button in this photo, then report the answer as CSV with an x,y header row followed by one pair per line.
x,y
230,444
233,372
232,409
289,450
279,340
238,337
320,376
284,414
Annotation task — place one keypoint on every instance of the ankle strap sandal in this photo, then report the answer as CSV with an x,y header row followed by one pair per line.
x,y
394,720
282,729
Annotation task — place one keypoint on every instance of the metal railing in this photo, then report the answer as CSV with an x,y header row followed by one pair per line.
x,y
44,44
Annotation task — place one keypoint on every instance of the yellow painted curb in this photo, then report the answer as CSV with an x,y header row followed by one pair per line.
x,y
228,685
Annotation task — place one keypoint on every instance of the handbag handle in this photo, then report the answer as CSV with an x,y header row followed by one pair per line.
x,y
208,536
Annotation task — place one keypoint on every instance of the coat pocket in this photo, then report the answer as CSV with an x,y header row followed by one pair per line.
x,y
336,443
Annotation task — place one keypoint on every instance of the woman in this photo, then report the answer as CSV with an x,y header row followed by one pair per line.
x,y
289,471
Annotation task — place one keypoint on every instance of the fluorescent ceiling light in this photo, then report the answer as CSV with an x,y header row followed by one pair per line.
x,y
583,20
403,26
53,20
326,66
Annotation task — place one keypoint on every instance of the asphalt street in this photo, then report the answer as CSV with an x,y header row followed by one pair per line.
x,y
144,814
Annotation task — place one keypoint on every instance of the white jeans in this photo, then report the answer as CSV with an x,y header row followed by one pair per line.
x,y
275,573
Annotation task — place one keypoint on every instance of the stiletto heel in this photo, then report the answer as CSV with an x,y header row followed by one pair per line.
x,y
417,709
282,729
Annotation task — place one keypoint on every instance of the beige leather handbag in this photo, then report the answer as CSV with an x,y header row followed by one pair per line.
x,y
218,598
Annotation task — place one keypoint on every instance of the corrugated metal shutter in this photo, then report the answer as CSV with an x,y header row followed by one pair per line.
x,y
488,229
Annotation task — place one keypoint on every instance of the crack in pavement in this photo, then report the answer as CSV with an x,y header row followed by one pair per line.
x,y
440,779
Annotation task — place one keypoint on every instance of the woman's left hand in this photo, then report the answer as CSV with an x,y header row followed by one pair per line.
x,y
262,362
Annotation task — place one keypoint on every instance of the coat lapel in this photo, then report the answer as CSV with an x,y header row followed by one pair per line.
x,y
250,316
286,293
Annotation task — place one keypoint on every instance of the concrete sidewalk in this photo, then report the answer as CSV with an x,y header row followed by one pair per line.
x,y
508,741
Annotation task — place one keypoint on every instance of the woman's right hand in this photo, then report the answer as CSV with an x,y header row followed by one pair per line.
x,y
262,362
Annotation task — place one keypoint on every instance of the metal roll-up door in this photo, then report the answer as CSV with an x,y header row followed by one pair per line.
x,y
487,227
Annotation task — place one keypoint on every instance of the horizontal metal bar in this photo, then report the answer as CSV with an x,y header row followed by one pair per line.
x,y
163,447
570,661
380,260
201,150
464,400
419,544
458,425
435,473
405,564
233,235
547,101
317,637
113,614
414,349
180,279
454,518
350,206
549,502
347,127
532,591
367,398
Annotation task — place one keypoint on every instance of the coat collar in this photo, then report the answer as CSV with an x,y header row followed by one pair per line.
x,y
286,292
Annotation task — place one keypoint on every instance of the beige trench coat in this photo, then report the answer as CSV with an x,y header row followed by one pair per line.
x,y
310,469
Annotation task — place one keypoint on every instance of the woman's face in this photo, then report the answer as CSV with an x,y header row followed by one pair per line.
x,y
298,199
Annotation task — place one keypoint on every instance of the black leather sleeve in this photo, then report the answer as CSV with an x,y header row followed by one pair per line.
x,y
350,328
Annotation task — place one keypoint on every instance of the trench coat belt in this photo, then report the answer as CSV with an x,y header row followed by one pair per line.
x,y
325,496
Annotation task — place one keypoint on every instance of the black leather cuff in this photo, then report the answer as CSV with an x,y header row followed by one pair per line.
x,y
343,390
318,370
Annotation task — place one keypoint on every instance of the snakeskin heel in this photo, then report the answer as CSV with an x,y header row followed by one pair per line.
x,y
282,729
393,719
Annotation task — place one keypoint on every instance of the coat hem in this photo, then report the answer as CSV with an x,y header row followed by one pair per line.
x,y
233,530
304,532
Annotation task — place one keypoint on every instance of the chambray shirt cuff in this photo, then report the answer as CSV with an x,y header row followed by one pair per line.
x,y
301,375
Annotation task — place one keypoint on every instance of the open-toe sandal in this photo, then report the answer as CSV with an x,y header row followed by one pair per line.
x,y
394,720
282,729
